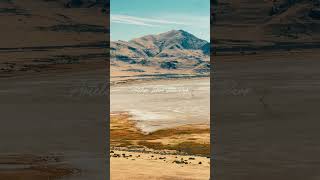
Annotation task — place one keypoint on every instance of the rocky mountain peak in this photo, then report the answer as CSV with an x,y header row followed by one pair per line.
x,y
175,46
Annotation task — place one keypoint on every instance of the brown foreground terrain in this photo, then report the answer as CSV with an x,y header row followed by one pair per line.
x,y
175,153
52,59
29,167
53,126
137,165
188,139
266,116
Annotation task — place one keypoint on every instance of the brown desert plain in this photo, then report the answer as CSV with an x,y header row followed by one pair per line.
x,y
50,128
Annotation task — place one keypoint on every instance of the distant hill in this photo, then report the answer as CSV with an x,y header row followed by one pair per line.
x,y
175,49
250,25
295,19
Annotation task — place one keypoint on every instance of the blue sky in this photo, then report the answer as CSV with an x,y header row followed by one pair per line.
x,y
135,18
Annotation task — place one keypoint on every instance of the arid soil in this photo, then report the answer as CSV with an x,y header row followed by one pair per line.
x,y
136,166
44,36
265,116
187,139
176,153
163,103
159,126
55,114
29,167
52,59
266,90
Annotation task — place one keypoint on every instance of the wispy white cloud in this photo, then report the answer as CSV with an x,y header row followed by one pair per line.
x,y
150,22
121,21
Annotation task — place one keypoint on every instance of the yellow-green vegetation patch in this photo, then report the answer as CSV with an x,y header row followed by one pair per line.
x,y
124,133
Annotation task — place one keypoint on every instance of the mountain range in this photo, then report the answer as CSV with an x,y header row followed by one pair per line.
x,y
175,49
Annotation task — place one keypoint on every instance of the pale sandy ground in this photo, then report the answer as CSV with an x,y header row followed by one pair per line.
x,y
153,168
159,104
